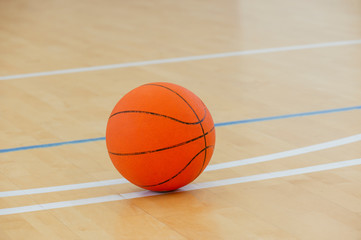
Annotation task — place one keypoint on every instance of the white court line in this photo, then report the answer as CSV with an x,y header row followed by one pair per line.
x,y
290,153
182,59
270,157
63,187
196,186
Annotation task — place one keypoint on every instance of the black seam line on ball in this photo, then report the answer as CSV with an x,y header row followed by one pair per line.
x,y
204,136
162,149
161,115
203,150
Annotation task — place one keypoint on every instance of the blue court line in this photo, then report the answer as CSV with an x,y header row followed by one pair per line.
x,y
51,145
288,116
216,125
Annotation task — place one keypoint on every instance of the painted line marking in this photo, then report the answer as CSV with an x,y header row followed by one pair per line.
x,y
191,187
47,145
289,153
183,59
5,150
63,187
270,157
304,114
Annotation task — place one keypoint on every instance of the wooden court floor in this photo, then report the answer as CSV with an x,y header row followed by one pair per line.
x,y
282,80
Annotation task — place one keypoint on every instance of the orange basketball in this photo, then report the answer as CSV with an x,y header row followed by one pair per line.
x,y
160,136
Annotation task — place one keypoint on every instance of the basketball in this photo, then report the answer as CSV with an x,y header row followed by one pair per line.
x,y
160,136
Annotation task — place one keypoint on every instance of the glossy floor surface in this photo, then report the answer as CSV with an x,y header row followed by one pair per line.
x,y
282,80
